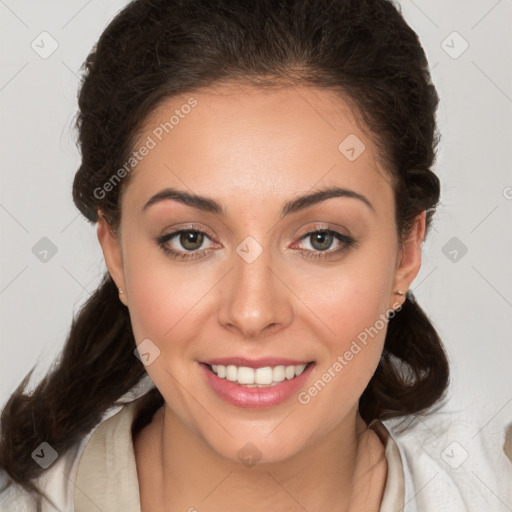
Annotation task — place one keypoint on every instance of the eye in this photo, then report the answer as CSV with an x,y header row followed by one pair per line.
x,y
189,239
322,239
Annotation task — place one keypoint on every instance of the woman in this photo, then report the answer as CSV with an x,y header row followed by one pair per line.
x,y
260,176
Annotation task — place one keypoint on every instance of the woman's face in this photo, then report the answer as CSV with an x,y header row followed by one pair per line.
x,y
257,285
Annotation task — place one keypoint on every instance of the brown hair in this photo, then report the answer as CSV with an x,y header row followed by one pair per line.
x,y
154,49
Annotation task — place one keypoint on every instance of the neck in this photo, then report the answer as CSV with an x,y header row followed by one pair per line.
x,y
346,471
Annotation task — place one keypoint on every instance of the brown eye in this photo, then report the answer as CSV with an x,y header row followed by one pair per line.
x,y
191,240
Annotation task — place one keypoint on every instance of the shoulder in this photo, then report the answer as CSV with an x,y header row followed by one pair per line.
x,y
453,461
54,482
57,482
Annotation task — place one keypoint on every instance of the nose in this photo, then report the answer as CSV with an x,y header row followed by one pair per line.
x,y
255,298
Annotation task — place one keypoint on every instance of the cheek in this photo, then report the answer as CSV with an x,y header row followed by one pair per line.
x,y
161,297
164,304
350,298
352,304
354,343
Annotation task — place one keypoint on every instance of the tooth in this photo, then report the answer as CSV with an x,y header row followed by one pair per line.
x,y
299,369
245,375
259,377
289,372
263,375
278,374
231,372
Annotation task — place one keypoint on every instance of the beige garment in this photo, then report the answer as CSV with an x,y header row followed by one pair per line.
x,y
107,475
507,445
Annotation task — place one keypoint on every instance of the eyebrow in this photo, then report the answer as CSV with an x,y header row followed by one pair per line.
x,y
209,205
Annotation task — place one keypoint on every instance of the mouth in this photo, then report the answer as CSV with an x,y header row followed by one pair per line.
x,y
256,386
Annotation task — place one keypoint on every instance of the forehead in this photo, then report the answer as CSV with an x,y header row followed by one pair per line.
x,y
238,141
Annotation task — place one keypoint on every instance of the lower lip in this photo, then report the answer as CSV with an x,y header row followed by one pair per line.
x,y
242,396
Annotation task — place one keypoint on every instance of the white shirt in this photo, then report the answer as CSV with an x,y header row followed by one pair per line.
x,y
438,464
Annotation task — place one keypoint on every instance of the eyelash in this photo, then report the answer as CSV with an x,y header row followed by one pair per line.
x,y
348,242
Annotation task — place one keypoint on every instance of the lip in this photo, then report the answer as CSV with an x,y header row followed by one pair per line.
x,y
242,396
254,363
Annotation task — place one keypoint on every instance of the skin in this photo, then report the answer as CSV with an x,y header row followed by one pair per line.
x,y
253,150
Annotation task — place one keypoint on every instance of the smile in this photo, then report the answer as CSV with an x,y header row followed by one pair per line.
x,y
248,387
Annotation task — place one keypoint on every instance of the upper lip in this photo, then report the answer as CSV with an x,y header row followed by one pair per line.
x,y
254,363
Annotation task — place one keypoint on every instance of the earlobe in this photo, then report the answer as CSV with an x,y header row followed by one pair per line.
x,y
409,263
111,247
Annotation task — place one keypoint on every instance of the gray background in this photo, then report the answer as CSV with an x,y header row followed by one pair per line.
x,y
467,294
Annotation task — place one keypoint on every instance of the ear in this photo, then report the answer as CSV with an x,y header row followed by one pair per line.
x,y
111,247
409,260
